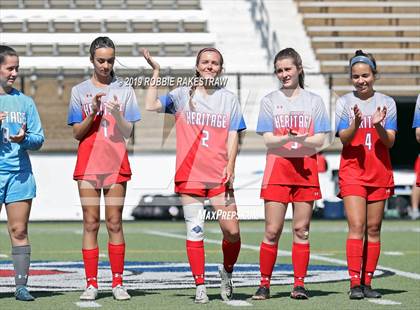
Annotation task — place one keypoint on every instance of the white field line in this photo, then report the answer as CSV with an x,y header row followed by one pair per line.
x,y
406,274
393,253
238,303
87,304
384,302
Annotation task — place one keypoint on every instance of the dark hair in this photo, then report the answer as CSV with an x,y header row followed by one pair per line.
x,y
367,55
297,60
101,42
6,51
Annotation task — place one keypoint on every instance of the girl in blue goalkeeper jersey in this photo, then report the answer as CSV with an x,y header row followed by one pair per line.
x,y
20,131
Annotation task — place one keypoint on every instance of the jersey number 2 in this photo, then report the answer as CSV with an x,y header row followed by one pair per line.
x,y
368,141
204,138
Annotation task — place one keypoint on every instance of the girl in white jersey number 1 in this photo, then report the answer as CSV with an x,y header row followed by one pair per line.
x,y
102,113
208,120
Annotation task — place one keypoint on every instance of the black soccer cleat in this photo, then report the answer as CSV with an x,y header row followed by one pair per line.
x,y
299,292
368,292
356,293
262,293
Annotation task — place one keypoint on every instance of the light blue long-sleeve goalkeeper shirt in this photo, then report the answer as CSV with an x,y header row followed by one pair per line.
x,y
21,112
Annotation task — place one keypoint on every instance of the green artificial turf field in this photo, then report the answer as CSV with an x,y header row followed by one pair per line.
x,y
158,278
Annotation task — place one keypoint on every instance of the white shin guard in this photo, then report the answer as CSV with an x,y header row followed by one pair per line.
x,y
194,219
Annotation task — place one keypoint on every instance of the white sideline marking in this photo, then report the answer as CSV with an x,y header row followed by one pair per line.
x,y
238,303
406,274
3,256
87,304
384,302
326,254
391,253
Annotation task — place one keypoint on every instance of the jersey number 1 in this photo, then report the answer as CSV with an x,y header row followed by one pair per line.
x,y
368,141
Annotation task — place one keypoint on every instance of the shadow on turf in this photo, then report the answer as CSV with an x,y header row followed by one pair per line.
x,y
35,294
211,297
133,293
385,291
236,296
312,293
241,296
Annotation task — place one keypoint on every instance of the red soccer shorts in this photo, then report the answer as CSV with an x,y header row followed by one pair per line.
x,y
200,189
104,180
417,170
368,192
290,193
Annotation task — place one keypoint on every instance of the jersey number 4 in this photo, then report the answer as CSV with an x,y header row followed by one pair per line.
x,y
368,141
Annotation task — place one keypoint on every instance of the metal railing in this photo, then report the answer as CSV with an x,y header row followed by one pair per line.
x,y
261,18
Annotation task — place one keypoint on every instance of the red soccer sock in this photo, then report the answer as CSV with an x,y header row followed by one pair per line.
x,y
90,260
230,253
116,253
300,260
354,251
195,253
370,261
268,256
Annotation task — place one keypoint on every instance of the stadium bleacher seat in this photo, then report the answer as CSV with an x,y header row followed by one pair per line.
x,y
107,21
53,39
368,31
101,4
387,66
380,53
55,44
358,7
390,30
351,19
78,64
366,42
